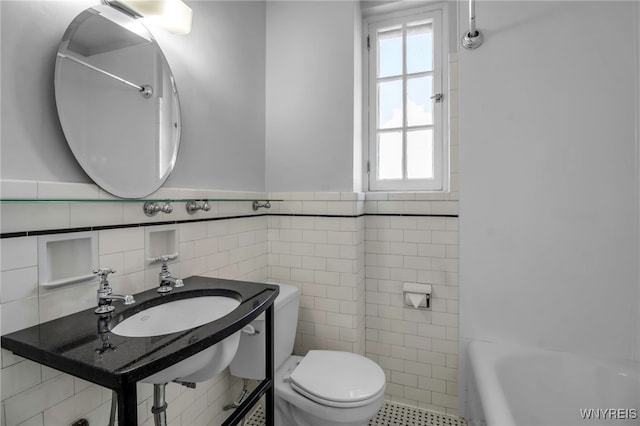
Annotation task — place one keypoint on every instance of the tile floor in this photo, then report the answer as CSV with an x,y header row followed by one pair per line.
x,y
391,414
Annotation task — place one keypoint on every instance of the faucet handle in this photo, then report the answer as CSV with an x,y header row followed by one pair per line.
x,y
164,258
179,283
102,273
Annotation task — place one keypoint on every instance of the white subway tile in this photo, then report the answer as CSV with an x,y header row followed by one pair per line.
x,y
65,301
418,395
340,293
435,385
390,207
444,319
444,400
116,240
299,274
74,408
315,290
404,327
315,207
435,331
18,284
114,261
23,189
432,358
444,346
327,278
36,420
217,228
404,379
314,263
18,253
95,214
340,265
432,223
208,246
315,316
19,377
16,217
329,224
418,207
303,223
433,250
392,338
340,320
193,231
225,242
341,207
134,261
376,196
9,358
19,314
25,405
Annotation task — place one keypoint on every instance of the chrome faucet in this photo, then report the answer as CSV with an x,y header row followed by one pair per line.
x,y
164,277
105,297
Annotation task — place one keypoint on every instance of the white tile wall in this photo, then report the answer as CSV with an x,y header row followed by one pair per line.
x,y
36,395
324,257
416,348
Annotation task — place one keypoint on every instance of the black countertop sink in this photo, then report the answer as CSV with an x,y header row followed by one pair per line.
x,y
82,345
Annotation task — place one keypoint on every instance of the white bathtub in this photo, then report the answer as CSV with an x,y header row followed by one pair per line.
x,y
517,385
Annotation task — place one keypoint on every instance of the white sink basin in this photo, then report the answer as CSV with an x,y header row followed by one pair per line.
x,y
180,315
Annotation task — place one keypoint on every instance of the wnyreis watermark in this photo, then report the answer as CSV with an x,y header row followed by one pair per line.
x,y
609,413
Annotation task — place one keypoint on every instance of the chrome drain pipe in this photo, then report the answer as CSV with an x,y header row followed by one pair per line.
x,y
159,408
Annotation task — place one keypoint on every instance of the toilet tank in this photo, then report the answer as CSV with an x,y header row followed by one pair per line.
x,y
250,357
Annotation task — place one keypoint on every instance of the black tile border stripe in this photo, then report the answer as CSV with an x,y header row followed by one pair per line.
x,y
19,234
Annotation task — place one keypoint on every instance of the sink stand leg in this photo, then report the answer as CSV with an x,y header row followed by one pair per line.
x,y
128,404
114,408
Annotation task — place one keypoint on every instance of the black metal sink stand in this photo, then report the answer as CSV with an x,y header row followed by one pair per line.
x,y
266,387
127,394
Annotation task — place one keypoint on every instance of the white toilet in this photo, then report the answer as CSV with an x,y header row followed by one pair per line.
x,y
320,389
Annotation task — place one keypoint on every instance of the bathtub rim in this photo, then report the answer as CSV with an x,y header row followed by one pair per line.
x,y
482,360
487,383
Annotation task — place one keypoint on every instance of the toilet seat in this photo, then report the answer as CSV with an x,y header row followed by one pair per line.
x,y
338,379
295,409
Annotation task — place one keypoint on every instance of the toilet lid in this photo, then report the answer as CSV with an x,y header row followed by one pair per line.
x,y
337,377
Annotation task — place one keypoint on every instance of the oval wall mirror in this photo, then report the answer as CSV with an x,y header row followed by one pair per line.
x,y
117,102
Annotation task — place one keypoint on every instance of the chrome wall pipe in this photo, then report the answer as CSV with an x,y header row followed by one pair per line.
x,y
472,39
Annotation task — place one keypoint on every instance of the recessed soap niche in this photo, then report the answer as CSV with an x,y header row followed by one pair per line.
x,y
161,241
67,258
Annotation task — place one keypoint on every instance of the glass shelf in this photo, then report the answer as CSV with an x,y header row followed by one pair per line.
x,y
129,200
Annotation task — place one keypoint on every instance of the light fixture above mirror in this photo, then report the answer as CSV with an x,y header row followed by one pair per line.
x,y
173,15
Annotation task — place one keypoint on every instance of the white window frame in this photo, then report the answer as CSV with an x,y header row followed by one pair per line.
x,y
440,183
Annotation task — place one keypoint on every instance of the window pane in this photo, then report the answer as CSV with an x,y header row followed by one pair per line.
x,y
419,102
390,104
419,48
389,52
420,154
390,155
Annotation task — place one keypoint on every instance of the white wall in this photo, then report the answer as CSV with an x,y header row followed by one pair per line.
x,y
219,70
549,177
637,319
311,82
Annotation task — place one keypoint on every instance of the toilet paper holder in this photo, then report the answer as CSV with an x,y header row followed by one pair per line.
x,y
417,295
